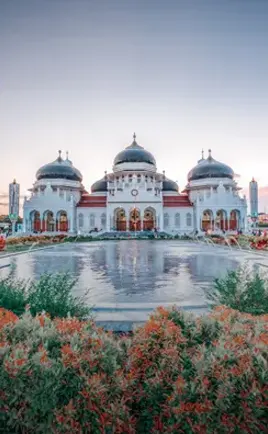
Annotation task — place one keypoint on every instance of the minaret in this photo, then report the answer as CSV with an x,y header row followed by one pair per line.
x,y
253,198
14,198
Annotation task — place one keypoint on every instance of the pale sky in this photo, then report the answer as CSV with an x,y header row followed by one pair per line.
x,y
83,75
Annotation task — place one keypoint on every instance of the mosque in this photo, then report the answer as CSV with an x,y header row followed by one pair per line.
x,y
135,197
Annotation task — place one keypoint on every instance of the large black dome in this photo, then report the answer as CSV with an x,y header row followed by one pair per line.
x,y
99,186
134,154
169,185
210,168
59,169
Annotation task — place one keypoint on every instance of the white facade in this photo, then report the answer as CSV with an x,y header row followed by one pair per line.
x,y
135,197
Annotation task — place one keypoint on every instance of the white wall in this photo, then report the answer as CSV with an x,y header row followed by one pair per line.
x,y
182,227
92,218
50,201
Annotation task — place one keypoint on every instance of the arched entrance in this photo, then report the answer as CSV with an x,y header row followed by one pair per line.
x,y
49,223
135,220
120,220
149,222
62,221
207,220
35,221
221,220
234,220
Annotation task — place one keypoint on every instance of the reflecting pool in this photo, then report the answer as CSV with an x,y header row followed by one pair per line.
x,y
141,272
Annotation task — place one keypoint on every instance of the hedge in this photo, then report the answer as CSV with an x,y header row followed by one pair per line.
x,y
176,374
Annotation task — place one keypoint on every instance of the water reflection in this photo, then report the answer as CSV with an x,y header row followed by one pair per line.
x,y
133,271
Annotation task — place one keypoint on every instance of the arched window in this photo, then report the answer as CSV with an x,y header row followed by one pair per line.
x,y
177,220
166,220
92,220
188,219
103,221
80,221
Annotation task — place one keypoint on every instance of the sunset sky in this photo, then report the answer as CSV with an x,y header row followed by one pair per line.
x,y
83,75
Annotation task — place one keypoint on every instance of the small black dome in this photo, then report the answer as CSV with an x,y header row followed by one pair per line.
x,y
169,185
134,154
210,168
99,186
59,169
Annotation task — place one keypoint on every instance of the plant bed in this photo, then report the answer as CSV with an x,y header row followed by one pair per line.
x,y
173,375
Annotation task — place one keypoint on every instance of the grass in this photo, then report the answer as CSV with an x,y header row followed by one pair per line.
x,y
51,293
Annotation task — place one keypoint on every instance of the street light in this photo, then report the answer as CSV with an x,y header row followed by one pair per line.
x,y
13,218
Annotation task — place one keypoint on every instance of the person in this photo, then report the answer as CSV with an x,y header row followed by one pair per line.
x,y
2,242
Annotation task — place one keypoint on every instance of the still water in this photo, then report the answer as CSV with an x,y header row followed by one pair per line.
x,y
134,271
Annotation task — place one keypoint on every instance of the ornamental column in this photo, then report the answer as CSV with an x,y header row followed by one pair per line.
x,y
141,219
228,221
72,216
127,222
160,221
108,222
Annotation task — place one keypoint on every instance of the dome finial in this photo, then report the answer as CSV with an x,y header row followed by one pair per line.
x,y
202,154
59,157
67,155
209,153
134,137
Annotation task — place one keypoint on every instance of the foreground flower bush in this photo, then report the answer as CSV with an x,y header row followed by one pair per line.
x,y
174,375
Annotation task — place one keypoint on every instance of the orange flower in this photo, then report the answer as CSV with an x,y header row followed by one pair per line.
x,y
6,316
164,313
70,358
180,383
69,326
194,407
43,357
239,340
263,338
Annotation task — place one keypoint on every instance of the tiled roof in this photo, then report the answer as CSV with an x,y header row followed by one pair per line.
x,y
90,201
176,201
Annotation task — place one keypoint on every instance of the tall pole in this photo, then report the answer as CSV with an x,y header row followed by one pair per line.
x,y
13,218
135,216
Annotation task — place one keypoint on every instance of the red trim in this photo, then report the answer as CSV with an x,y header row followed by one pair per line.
x,y
176,201
92,201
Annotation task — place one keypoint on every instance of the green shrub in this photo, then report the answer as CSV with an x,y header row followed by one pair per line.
x,y
51,293
13,294
243,289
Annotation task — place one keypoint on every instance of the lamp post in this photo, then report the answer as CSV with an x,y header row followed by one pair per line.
x,y
13,218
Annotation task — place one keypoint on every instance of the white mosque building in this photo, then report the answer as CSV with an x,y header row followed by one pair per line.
x,y
135,197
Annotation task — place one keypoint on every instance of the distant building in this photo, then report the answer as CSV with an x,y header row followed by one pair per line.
x,y
253,198
14,198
